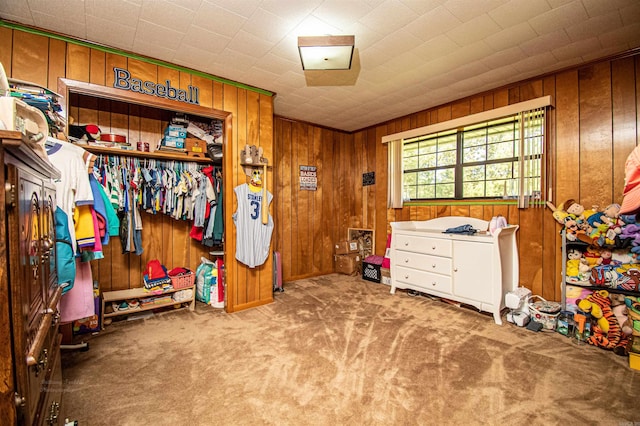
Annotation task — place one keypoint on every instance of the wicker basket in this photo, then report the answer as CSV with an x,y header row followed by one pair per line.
x,y
183,280
544,312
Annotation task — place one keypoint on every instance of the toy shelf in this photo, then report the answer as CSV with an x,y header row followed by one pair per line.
x,y
140,293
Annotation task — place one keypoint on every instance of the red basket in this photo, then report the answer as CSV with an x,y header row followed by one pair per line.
x,y
183,280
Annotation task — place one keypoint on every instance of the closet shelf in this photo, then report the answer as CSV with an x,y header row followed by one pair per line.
x,y
141,293
152,155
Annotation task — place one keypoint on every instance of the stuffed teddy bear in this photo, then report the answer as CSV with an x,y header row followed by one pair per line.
x,y
620,311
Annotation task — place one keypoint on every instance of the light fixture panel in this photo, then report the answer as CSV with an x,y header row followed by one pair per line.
x,y
326,52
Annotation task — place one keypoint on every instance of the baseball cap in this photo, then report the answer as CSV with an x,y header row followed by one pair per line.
x,y
631,195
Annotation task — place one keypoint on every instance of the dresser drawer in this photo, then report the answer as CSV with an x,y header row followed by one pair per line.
x,y
424,262
426,245
423,279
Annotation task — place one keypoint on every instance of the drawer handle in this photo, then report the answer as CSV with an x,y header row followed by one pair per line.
x,y
433,266
406,243
433,247
406,277
433,283
406,261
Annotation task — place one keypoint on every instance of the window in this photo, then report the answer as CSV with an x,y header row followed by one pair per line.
x,y
484,160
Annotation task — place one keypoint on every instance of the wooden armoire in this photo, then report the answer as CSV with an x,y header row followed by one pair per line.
x,y
31,377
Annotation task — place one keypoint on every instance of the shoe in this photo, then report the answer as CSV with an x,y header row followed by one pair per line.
x,y
133,304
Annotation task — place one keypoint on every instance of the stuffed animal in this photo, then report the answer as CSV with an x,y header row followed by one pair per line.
x,y
88,132
571,218
577,268
607,334
620,311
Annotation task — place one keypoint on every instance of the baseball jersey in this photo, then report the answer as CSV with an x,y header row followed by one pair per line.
x,y
253,238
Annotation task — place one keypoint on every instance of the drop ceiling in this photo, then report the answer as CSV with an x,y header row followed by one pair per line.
x,y
410,54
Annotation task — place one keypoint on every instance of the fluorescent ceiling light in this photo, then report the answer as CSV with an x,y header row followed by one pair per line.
x,y
326,52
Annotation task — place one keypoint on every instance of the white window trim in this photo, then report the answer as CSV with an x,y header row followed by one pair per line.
x,y
394,189
468,120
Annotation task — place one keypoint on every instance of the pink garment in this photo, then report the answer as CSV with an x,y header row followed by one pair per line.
x,y
96,230
78,303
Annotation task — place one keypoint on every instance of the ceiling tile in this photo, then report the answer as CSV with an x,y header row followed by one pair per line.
x,y
435,23
202,39
246,42
390,15
166,14
504,57
219,20
512,36
342,14
545,42
119,12
267,26
473,30
122,35
17,10
558,18
629,34
466,10
244,8
600,7
577,49
62,25
592,27
163,37
516,12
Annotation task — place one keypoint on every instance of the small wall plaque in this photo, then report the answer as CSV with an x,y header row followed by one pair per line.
x,y
368,178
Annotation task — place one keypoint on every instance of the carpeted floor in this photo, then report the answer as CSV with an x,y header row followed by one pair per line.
x,y
337,350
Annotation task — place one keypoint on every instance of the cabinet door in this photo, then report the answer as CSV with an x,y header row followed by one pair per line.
x,y
473,271
48,241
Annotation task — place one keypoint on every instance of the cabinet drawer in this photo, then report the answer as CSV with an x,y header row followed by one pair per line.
x,y
419,244
423,279
439,265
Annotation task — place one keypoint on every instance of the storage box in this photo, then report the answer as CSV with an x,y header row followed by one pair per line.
x,y
347,263
371,272
346,247
386,276
176,132
173,142
195,147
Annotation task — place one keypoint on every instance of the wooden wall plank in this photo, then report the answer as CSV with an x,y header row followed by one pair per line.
x,y
97,67
78,59
595,135
30,57
6,49
317,231
231,172
56,67
625,113
567,185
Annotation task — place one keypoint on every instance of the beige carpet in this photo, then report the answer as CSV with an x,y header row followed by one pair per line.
x,y
337,350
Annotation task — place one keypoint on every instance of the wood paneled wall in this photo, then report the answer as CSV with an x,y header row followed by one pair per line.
x,y
42,60
592,129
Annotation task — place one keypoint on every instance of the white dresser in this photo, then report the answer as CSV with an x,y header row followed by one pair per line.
x,y
477,270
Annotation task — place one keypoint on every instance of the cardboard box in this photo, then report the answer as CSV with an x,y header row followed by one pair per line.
x,y
346,247
195,147
386,276
347,263
371,272
173,142
175,131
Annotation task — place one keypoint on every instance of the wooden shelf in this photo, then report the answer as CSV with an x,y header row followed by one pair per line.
x,y
139,293
157,155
